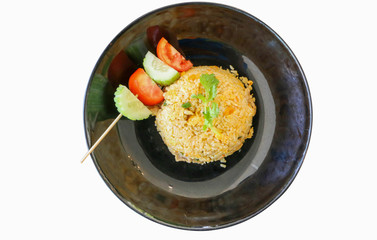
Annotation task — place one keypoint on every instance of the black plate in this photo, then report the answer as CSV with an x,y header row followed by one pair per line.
x,y
137,166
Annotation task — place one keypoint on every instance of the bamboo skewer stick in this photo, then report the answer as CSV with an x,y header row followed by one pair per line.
x,y
102,137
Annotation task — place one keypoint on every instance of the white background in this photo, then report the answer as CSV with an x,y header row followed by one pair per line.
x,y
47,52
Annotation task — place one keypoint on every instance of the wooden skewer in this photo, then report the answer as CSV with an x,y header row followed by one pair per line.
x,y
102,136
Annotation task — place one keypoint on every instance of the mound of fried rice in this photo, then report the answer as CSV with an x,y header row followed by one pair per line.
x,y
182,128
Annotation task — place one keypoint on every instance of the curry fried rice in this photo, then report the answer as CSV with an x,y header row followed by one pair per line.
x,y
182,128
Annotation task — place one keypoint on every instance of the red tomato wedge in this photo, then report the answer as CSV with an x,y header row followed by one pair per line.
x,y
167,53
146,90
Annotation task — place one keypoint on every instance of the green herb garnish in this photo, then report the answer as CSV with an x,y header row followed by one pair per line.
x,y
211,111
209,82
186,105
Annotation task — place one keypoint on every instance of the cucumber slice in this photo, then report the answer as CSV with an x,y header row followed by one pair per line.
x,y
128,104
159,71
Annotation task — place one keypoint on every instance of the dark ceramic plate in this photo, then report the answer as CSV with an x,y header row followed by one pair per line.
x,y
135,163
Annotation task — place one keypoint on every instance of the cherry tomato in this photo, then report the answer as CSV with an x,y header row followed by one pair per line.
x,y
145,88
167,53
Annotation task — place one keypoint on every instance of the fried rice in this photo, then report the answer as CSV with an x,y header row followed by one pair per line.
x,y
182,128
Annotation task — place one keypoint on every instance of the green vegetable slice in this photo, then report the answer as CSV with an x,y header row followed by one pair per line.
x,y
159,71
128,104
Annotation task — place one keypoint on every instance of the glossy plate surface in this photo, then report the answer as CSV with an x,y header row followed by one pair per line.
x,y
135,163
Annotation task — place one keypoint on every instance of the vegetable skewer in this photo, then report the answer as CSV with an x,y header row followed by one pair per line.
x,y
143,89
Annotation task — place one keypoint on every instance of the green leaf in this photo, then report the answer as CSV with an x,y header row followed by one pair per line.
x,y
200,96
209,114
207,117
99,100
186,105
209,82
214,110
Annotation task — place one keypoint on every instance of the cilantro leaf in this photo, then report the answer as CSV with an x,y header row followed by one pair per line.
x,y
214,110
207,118
209,114
209,82
186,105
211,111
200,96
